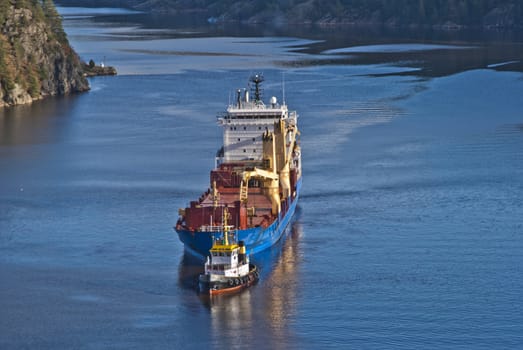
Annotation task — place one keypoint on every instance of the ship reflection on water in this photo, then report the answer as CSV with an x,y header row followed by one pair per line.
x,y
261,312
280,285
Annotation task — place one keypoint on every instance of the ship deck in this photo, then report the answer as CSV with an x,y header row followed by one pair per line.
x,y
228,196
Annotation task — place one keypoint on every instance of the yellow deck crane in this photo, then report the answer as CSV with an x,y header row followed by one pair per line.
x,y
277,152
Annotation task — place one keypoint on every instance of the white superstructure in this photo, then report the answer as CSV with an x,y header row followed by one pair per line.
x,y
244,124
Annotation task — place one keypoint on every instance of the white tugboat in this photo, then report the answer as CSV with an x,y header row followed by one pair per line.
x,y
227,269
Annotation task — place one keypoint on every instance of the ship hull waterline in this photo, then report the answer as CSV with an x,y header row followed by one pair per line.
x,y
228,285
256,239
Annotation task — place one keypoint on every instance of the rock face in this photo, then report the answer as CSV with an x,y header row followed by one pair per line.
x,y
36,59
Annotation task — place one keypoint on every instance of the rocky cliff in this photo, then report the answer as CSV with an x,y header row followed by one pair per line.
x,y
36,59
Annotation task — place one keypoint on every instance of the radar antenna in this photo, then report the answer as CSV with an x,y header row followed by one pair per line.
x,y
283,86
257,79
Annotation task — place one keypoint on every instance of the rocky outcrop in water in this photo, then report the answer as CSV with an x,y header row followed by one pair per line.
x,y
91,70
36,59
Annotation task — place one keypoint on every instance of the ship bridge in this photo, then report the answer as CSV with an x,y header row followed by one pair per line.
x,y
245,122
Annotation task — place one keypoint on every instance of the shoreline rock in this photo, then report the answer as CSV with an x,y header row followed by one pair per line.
x,y
93,71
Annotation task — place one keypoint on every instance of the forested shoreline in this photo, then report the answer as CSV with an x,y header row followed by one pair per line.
x,y
419,13
36,59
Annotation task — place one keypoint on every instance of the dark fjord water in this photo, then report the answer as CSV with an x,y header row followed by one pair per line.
x,y
409,233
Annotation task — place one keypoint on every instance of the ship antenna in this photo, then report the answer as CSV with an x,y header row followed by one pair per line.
x,y
283,86
225,214
257,79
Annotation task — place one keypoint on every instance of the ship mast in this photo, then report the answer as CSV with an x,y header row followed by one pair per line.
x,y
215,195
257,79
225,217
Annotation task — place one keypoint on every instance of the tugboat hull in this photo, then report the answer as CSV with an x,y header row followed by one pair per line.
x,y
228,285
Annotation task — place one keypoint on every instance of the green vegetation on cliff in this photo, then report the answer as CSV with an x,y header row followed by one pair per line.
x,y
36,59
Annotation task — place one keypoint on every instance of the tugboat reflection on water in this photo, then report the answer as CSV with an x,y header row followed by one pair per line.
x,y
265,307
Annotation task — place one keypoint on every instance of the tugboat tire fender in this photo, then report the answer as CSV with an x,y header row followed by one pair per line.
x,y
231,282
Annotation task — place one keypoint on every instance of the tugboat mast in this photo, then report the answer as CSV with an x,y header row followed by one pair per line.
x,y
225,226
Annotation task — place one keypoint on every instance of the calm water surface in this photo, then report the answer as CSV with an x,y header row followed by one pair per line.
x,y
409,233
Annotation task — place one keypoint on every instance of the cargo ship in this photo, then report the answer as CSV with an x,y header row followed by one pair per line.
x,y
257,176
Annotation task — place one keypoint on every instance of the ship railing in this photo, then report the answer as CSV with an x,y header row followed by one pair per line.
x,y
215,228
210,228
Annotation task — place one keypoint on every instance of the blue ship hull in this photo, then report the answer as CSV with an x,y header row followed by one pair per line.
x,y
256,239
